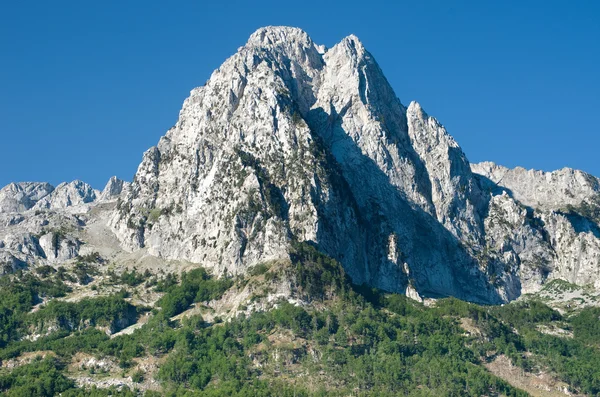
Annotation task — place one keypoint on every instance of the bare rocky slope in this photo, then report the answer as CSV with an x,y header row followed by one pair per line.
x,y
289,140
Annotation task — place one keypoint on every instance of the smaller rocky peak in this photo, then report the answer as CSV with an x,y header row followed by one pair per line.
x,y
541,189
37,190
150,161
113,189
352,71
21,196
86,191
145,183
321,48
453,188
490,170
415,108
427,128
350,48
11,188
353,44
68,195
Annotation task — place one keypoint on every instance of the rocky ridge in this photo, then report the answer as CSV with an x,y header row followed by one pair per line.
x,y
289,140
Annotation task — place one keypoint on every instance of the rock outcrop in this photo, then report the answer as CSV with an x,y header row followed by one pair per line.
x,y
563,207
113,189
67,195
19,197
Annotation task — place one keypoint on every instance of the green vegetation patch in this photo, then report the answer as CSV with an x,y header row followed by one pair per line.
x,y
196,286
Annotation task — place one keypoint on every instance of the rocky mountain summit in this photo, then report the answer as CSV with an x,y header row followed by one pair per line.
x,y
291,141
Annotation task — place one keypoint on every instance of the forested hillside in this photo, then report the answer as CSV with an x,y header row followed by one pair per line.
x,y
335,339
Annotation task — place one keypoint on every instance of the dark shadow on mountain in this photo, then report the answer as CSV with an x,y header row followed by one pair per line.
x,y
438,262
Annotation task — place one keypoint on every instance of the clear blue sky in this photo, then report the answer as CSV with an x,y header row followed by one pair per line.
x,y
86,87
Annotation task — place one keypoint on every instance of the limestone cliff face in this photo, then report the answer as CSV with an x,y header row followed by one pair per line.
x,y
40,224
18,197
554,217
67,195
289,140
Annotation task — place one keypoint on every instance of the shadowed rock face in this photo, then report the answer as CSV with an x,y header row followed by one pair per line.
x,y
289,140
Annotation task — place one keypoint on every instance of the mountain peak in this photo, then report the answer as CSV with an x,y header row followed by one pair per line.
x,y
68,194
415,107
352,48
113,188
353,42
21,196
276,35
288,141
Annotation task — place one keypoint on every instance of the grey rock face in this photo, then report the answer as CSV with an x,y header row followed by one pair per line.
x,y
18,197
67,195
44,229
58,248
113,189
38,237
290,141
559,236
544,190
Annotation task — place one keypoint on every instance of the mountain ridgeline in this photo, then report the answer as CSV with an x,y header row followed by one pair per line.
x,y
291,142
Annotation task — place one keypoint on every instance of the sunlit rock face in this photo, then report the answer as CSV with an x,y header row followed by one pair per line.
x,y
291,141
19,197
556,234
